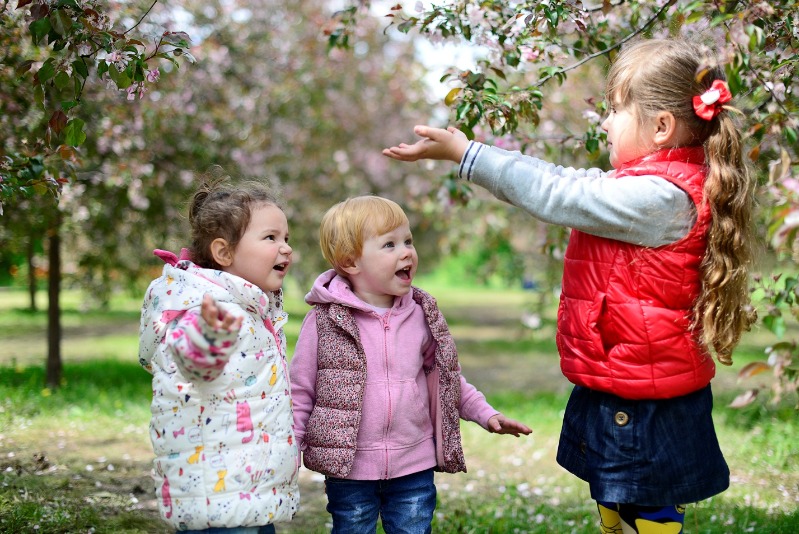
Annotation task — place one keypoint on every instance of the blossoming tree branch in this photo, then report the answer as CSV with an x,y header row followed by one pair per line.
x,y
55,49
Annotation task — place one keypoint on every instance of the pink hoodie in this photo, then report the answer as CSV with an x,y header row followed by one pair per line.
x,y
395,437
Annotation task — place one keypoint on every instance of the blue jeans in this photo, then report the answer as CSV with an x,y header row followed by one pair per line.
x,y
405,504
266,529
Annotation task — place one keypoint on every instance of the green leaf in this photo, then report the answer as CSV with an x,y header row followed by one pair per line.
x,y
39,29
46,72
696,16
80,67
73,133
60,22
61,80
38,95
120,78
791,135
775,324
138,72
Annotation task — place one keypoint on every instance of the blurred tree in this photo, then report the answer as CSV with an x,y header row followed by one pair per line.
x,y
50,50
265,100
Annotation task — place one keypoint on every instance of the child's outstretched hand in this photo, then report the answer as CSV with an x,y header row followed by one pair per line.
x,y
499,424
449,144
217,317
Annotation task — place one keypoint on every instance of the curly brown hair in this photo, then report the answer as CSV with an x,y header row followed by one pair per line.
x,y
221,208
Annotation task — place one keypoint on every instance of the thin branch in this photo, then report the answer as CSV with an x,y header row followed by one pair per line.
x,y
760,80
602,7
142,17
595,55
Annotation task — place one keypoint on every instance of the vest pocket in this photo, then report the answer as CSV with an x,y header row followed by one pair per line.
x,y
597,313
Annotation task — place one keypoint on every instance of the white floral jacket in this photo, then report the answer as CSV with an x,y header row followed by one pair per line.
x,y
221,425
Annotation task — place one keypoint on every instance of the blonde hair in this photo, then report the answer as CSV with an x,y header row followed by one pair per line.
x,y
222,209
664,75
346,226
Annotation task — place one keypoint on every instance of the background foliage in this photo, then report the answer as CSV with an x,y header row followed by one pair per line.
x,y
110,110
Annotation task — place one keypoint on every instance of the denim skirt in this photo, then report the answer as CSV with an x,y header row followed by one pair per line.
x,y
645,452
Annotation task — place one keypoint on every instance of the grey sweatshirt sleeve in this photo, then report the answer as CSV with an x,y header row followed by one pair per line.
x,y
643,210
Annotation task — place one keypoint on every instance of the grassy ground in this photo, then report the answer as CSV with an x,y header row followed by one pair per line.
x,y
78,459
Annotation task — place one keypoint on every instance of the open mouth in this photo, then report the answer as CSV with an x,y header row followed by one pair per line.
x,y
281,267
404,274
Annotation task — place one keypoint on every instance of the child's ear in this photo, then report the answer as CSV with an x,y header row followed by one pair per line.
x,y
351,267
666,127
221,252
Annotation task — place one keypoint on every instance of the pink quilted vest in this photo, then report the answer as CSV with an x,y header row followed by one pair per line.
x,y
624,321
340,383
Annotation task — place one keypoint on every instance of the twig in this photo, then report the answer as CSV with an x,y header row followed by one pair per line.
x,y
142,17
595,55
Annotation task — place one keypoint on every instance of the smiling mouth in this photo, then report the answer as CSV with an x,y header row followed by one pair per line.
x,y
281,267
404,274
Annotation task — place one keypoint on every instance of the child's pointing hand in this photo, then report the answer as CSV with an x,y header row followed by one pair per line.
x,y
499,424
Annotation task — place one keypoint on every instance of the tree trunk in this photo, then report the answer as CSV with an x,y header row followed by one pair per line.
x,y
54,366
31,275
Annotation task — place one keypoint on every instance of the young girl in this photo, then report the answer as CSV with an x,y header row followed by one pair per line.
x,y
655,277
375,377
211,335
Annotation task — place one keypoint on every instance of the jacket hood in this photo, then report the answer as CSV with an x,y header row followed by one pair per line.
x,y
332,288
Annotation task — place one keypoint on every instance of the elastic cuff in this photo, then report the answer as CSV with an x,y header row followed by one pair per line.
x,y
467,162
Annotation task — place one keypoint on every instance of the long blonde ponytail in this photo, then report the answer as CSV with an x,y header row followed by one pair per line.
x,y
723,311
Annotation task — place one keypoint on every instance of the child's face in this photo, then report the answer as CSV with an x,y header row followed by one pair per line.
x,y
263,254
386,267
628,138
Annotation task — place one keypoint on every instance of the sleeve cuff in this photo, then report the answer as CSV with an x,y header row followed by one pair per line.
x,y
469,157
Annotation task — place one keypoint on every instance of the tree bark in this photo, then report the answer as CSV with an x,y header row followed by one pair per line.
x,y
31,274
54,366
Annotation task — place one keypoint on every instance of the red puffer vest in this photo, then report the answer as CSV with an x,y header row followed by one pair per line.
x,y
624,321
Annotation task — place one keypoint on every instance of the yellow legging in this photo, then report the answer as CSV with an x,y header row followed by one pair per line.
x,y
618,518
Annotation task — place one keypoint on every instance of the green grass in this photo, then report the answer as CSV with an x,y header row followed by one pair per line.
x,y
78,459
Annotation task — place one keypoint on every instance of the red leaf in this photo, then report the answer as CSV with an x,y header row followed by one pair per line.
x,y
744,399
751,369
23,3
66,152
39,11
58,121
24,67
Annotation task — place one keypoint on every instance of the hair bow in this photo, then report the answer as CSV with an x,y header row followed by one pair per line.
x,y
710,103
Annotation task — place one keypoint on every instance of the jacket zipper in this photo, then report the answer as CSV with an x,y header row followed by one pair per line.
x,y
386,328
